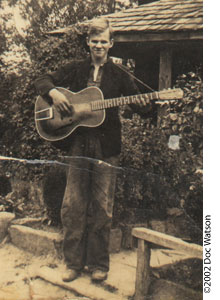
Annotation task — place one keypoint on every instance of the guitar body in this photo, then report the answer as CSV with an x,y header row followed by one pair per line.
x,y
88,110
52,126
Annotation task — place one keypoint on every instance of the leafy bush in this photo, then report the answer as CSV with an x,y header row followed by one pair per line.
x,y
164,177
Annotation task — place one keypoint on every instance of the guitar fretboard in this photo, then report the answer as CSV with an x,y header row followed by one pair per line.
x,y
114,102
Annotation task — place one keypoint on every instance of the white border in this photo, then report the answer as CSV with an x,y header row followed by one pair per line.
x,y
211,134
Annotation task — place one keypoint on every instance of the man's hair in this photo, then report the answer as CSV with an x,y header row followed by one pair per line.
x,y
98,26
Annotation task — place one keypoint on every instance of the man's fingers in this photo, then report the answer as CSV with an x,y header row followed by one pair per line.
x,y
141,102
65,108
60,109
68,106
62,104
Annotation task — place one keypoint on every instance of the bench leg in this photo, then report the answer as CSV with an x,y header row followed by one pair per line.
x,y
143,270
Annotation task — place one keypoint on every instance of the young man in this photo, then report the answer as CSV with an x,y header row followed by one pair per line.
x,y
93,155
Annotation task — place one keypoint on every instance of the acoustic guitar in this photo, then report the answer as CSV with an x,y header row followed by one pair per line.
x,y
88,109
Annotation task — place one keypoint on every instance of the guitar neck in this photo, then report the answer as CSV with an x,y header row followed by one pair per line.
x,y
103,104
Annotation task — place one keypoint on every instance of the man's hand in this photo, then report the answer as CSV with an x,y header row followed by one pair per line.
x,y
60,101
142,100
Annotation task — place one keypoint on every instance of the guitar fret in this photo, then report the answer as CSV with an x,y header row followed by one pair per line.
x,y
150,96
147,98
127,100
109,102
119,101
103,104
135,98
141,97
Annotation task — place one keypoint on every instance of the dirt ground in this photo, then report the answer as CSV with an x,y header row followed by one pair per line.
x,y
18,282
15,279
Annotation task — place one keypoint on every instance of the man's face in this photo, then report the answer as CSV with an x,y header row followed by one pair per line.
x,y
99,45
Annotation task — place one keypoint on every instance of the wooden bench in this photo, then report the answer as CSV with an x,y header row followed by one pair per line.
x,y
146,236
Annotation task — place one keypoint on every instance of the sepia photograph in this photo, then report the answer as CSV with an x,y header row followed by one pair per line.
x,y
101,151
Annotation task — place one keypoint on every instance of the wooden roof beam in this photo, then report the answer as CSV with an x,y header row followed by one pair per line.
x,y
155,37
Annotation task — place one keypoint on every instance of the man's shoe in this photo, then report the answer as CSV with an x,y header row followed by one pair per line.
x,y
70,275
99,275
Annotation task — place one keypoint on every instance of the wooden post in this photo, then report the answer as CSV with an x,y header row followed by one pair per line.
x,y
145,236
143,270
165,77
165,73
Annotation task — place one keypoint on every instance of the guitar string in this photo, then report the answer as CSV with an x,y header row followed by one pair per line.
x,y
102,104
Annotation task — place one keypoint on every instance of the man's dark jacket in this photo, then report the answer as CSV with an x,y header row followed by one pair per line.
x,y
115,83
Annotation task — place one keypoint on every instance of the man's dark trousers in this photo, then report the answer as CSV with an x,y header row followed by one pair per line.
x,y
88,204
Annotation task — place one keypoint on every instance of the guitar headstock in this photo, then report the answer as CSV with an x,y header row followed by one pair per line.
x,y
171,94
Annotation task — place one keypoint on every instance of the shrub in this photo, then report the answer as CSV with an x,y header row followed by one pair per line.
x,y
163,177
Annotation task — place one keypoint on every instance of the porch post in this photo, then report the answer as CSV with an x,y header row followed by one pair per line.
x,y
165,77
165,72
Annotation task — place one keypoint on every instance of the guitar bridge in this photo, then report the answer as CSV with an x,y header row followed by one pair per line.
x,y
44,114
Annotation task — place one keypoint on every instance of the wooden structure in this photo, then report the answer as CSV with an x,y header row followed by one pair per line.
x,y
157,35
145,237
